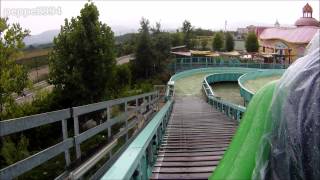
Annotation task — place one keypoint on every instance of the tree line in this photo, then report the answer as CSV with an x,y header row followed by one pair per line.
x,y
82,62
83,69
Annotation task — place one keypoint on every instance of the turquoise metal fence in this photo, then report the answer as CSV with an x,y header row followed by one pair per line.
x,y
182,64
137,111
245,92
138,159
210,70
231,110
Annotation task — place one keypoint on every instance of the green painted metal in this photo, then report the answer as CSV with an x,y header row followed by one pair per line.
x,y
204,71
231,110
137,160
68,143
240,158
211,70
246,93
218,77
182,64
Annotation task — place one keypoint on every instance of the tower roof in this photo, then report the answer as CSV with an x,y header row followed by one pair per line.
x,y
307,8
307,21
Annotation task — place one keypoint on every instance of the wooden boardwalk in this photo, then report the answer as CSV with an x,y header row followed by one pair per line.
x,y
195,140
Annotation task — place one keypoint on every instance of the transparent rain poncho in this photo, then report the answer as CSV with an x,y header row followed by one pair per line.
x,y
279,135
294,140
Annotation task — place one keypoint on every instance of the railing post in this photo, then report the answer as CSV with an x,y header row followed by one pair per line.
x,y
109,128
76,133
149,102
206,62
137,103
142,169
181,64
149,155
65,136
238,115
125,111
137,175
158,98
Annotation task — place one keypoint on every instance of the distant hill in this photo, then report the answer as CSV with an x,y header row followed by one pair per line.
x,y
45,37
124,37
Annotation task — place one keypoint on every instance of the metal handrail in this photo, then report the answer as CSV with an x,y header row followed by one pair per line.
x,y
244,91
17,125
231,110
181,64
138,159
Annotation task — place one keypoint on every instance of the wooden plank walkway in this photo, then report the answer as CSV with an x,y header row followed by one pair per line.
x,y
195,140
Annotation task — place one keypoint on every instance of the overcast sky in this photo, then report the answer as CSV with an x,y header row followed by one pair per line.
x,y
127,14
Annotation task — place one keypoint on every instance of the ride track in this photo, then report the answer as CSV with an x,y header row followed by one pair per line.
x,y
199,130
186,138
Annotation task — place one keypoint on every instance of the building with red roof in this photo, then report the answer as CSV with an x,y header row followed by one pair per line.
x,y
289,43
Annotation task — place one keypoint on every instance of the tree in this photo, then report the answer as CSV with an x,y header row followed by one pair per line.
x,y
204,43
187,30
144,62
126,44
177,38
13,77
217,42
252,44
162,47
157,28
83,59
123,77
229,44
202,32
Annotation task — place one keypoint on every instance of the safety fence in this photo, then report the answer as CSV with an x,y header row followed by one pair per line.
x,y
182,64
244,91
231,110
121,119
138,159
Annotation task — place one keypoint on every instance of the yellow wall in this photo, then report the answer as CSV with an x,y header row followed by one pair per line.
x,y
296,52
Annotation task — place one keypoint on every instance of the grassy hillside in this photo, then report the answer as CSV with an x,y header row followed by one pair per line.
x,y
31,53
34,58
